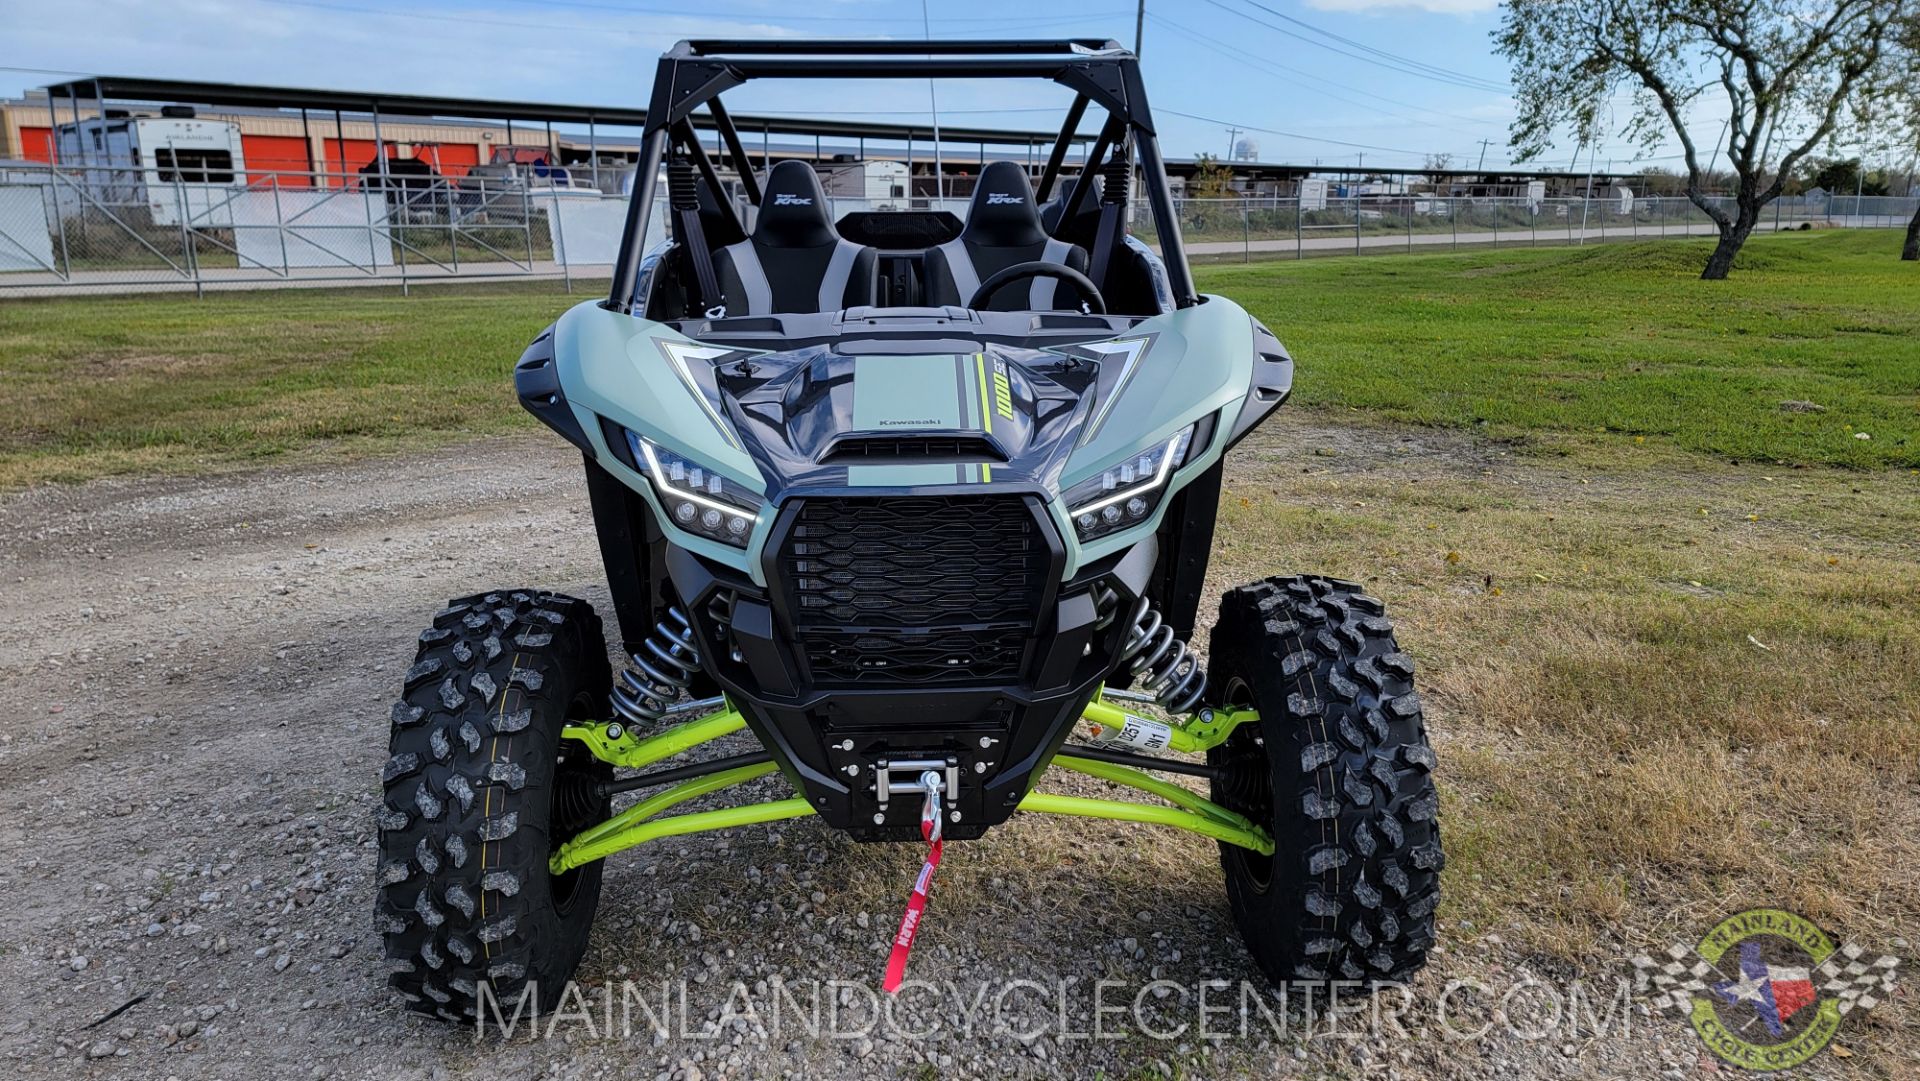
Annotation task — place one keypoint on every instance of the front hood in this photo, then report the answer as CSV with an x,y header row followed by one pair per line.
x,y
819,418
891,416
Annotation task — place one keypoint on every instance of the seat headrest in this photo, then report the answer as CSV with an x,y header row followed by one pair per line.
x,y
793,209
1056,207
1003,214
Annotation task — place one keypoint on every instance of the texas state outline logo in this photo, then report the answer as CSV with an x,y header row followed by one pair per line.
x,y
1766,989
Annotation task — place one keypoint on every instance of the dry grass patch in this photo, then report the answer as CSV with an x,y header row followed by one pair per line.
x,y
1651,708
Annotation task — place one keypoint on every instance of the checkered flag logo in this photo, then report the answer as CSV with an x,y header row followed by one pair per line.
x,y
1675,980
1856,982
1846,975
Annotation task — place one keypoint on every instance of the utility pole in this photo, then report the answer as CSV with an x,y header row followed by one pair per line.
x,y
1233,135
1139,25
933,100
1482,167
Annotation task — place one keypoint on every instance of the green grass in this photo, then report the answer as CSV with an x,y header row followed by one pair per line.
x,y
1607,347
169,383
1616,342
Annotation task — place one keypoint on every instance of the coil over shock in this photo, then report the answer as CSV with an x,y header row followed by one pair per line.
x,y
660,672
1161,663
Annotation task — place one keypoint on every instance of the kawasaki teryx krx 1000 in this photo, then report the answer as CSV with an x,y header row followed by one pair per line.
x,y
922,501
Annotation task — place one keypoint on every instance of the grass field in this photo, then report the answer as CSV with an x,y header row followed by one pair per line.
x,y
1668,630
1611,348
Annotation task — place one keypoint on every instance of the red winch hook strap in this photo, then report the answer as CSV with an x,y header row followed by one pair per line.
x,y
917,900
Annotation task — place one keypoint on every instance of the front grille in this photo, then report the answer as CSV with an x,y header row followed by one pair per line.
x,y
914,590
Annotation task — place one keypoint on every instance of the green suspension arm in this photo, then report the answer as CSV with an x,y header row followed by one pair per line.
x,y
1204,730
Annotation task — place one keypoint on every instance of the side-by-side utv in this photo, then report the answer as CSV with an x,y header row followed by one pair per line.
x,y
925,505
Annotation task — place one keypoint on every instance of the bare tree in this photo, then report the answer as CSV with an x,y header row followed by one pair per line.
x,y
1785,68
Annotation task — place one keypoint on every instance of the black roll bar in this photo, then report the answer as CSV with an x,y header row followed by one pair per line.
x,y
1060,147
741,163
696,73
893,47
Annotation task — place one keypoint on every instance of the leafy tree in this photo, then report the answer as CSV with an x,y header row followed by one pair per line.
x,y
1843,176
1903,96
1212,179
1784,67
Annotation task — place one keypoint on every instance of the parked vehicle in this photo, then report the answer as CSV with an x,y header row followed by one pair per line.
x,y
930,520
176,166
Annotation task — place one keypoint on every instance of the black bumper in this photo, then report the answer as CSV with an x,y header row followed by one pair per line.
x,y
830,737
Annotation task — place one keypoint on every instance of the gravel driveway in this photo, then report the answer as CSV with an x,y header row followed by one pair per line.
x,y
200,672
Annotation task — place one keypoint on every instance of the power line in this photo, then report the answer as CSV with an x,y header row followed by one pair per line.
x,y
1030,22
1381,58
1289,134
1314,83
1437,70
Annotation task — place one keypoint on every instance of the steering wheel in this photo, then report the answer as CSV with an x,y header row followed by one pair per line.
x,y
1089,293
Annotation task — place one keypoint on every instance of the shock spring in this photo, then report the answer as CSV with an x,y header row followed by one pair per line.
x,y
660,672
1159,660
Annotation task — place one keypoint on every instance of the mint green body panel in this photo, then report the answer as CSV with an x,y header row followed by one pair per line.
x,y
1200,364
614,366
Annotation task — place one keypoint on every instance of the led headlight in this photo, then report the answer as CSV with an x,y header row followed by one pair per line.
x,y
1126,493
697,499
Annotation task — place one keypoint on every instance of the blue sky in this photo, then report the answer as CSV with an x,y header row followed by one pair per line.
x,y
1393,80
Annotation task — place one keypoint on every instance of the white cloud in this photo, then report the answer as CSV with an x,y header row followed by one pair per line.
x,y
1443,7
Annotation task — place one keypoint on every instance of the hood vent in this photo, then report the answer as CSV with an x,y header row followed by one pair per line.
x,y
892,448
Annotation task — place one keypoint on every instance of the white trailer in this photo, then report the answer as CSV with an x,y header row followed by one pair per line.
x,y
881,184
175,166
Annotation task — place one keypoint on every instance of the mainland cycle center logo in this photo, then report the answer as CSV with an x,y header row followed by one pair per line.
x,y
1766,989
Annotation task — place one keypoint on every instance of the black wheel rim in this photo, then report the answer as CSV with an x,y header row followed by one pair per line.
x,y
568,812
1247,785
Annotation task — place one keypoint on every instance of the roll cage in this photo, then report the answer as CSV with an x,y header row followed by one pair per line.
x,y
693,74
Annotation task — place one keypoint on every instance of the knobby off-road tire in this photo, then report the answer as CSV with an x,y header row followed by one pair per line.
x,y
470,815
1339,770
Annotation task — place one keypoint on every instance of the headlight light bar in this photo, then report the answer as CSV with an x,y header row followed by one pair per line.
x,y
1126,493
696,498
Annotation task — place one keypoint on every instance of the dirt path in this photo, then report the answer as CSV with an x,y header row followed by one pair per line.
x,y
199,672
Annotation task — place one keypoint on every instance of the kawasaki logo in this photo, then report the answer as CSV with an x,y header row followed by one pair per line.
x,y
783,199
999,198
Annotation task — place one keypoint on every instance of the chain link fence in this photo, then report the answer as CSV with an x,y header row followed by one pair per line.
x,y
1264,228
120,228
117,229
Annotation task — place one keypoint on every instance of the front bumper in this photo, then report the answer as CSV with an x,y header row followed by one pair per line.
x,y
835,741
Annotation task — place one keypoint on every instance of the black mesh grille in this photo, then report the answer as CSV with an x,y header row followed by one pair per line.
x,y
914,590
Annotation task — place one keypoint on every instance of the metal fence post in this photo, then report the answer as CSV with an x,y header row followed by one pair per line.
x,y
1453,219
186,237
373,238
1356,225
1246,234
60,217
526,218
1299,240
280,227
453,226
1409,224
557,237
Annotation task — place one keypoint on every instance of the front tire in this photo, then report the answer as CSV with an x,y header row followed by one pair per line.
x,y
479,789
1339,769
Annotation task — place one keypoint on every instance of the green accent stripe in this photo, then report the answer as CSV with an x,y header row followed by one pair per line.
x,y
986,409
